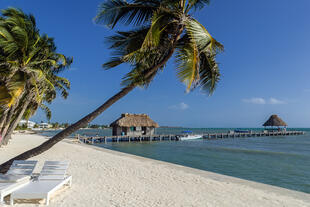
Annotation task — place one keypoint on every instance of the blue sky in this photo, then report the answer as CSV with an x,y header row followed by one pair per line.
x,y
265,66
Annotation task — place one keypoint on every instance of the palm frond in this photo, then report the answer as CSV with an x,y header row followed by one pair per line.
x,y
28,113
63,81
113,11
137,76
187,59
129,41
12,90
209,72
142,62
125,43
202,37
4,33
197,4
5,97
160,21
47,111
113,62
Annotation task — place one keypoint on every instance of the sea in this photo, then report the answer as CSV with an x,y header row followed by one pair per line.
x,y
282,161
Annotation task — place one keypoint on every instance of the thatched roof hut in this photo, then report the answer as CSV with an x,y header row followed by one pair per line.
x,y
274,120
133,125
134,120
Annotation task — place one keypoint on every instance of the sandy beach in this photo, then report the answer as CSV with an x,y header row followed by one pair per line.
x,y
103,177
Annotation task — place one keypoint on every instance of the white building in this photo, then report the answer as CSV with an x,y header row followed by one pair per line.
x,y
44,125
30,124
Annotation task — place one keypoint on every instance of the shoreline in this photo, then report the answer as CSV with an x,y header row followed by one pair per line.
x,y
114,178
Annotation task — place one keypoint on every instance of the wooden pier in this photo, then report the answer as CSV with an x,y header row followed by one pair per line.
x,y
105,139
170,137
251,134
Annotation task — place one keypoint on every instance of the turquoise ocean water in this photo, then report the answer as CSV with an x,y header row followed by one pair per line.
x,y
280,161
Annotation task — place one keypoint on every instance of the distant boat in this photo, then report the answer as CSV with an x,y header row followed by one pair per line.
x,y
189,136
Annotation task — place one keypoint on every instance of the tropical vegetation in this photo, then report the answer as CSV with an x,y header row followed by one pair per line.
x,y
160,29
29,68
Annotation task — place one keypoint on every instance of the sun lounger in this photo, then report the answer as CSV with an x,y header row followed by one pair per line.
x,y
52,178
17,177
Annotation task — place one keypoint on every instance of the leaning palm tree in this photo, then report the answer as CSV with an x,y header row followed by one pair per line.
x,y
163,27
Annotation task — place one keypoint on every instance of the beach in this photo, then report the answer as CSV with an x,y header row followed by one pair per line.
x,y
102,177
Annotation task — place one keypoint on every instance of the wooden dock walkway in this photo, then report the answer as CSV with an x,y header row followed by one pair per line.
x,y
251,134
143,138
170,137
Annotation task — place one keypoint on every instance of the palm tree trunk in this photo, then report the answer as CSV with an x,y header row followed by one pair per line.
x,y
14,124
2,120
87,119
8,117
3,117
8,120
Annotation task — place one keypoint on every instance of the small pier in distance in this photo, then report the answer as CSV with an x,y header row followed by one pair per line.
x,y
251,134
170,137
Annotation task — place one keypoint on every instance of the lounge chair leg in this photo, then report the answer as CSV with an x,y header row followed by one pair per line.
x,y
47,200
70,182
1,199
11,200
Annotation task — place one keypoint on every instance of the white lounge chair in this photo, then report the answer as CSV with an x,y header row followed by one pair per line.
x,y
52,178
17,177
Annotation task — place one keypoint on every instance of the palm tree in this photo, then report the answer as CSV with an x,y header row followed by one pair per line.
x,y
29,68
165,27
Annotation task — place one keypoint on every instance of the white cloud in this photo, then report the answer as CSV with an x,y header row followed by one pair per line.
x,y
262,101
183,106
255,101
276,101
180,106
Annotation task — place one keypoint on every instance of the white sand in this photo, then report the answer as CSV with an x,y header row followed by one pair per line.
x,y
106,178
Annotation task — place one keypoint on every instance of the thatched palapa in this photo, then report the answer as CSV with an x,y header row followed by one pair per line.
x,y
134,120
134,124
274,120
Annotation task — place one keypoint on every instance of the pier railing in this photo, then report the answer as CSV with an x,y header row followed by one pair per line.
x,y
171,137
